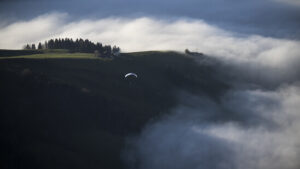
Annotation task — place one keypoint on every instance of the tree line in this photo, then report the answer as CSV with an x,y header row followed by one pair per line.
x,y
78,45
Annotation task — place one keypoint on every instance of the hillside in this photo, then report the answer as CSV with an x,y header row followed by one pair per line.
x,y
76,110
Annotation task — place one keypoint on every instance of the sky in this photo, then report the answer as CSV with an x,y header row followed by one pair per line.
x,y
256,45
270,18
277,19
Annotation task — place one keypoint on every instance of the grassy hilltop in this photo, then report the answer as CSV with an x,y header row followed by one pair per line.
x,y
74,110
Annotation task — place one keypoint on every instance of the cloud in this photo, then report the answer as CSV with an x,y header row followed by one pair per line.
x,y
185,139
144,33
17,34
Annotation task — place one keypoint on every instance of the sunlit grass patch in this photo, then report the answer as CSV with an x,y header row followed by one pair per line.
x,y
56,56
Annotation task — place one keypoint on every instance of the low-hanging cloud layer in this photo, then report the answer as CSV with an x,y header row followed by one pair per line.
x,y
253,126
186,139
144,33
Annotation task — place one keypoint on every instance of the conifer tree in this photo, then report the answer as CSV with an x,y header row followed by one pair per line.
x,y
33,47
40,46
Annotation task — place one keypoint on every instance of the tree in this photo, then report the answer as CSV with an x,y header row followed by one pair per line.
x,y
33,47
27,47
116,50
78,45
56,44
187,51
51,44
46,45
107,50
40,46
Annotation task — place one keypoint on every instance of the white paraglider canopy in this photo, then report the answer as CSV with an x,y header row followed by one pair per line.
x,y
131,74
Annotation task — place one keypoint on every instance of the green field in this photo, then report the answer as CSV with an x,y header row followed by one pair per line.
x,y
54,56
8,53
75,110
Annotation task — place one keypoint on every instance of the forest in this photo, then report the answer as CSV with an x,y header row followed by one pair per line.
x,y
78,45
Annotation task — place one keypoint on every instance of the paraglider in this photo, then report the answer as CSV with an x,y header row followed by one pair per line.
x,y
131,74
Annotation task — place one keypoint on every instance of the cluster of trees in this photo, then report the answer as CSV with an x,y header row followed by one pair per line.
x,y
188,52
78,45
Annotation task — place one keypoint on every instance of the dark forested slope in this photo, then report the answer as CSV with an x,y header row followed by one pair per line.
x,y
76,113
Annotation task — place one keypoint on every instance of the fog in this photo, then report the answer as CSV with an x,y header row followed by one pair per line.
x,y
146,33
249,128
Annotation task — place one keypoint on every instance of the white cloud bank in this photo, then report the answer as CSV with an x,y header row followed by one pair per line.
x,y
185,139
145,34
